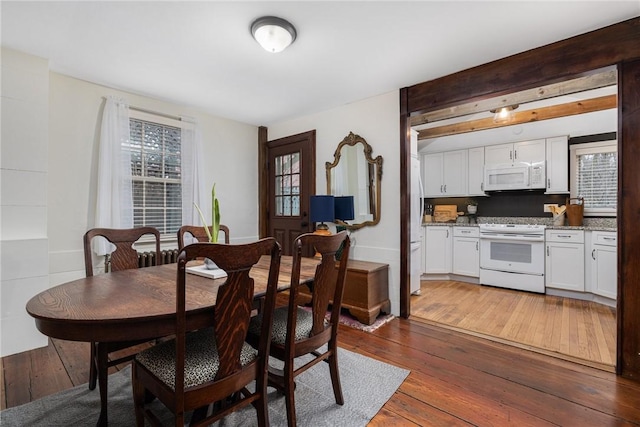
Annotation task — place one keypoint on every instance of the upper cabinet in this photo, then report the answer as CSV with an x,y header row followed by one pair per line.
x,y
445,174
460,173
525,151
557,165
476,172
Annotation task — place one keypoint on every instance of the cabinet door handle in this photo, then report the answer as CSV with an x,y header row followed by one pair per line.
x,y
564,236
547,250
593,254
445,188
441,188
447,234
548,182
477,246
515,154
609,238
510,155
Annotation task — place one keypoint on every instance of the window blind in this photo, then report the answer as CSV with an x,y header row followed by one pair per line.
x,y
156,174
597,178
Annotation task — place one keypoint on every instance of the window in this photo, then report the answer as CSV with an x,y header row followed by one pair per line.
x,y
287,186
155,148
594,172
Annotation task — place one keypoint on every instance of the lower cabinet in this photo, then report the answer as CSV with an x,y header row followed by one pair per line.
x,y
466,251
604,263
564,266
437,249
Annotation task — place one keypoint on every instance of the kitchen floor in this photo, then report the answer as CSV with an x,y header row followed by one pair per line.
x,y
575,330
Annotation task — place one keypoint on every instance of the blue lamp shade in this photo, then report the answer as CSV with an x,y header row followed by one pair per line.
x,y
344,208
322,208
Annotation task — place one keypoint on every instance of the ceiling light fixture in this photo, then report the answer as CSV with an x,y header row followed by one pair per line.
x,y
274,34
504,114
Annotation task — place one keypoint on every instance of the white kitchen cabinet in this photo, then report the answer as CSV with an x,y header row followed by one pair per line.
x,y
445,174
476,172
437,249
604,263
525,151
466,251
564,266
557,165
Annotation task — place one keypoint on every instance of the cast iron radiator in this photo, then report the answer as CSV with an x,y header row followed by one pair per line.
x,y
146,259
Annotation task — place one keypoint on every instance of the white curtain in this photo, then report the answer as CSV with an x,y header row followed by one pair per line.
x,y
192,183
114,208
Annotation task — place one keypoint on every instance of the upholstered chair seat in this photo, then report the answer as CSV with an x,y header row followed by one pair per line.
x,y
201,362
279,328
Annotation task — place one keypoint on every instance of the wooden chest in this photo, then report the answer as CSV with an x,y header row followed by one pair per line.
x,y
366,290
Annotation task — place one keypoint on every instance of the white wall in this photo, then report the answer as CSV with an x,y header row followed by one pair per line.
x,y
24,261
377,121
50,132
75,115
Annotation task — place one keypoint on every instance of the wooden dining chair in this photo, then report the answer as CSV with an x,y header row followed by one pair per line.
x,y
197,231
212,365
297,331
124,257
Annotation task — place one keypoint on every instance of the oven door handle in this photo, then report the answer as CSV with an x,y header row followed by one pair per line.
x,y
513,237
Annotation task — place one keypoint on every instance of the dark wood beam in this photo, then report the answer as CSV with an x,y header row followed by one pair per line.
x,y
571,58
521,117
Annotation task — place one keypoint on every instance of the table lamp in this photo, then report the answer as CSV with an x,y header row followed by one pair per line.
x,y
322,209
343,208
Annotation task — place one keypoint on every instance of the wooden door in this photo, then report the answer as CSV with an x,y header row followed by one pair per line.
x,y
291,180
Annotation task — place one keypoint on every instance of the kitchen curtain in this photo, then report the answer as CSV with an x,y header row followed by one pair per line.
x,y
114,206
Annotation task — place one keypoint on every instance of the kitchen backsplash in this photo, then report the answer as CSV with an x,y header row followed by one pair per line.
x,y
506,204
524,206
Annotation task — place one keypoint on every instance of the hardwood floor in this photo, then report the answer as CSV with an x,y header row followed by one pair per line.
x,y
580,331
456,380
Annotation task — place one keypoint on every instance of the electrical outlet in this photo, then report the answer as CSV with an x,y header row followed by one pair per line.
x,y
547,206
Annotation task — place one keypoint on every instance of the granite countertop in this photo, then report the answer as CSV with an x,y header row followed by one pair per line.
x,y
590,224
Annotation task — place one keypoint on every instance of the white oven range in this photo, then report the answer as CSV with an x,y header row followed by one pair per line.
x,y
512,256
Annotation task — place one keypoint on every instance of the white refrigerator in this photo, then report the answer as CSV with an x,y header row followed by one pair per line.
x,y
417,206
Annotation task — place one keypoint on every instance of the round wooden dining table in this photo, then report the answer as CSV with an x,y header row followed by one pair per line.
x,y
138,304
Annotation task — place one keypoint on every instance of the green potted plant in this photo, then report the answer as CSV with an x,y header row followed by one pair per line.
x,y
212,234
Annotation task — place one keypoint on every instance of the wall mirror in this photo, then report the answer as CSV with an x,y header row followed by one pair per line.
x,y
354,172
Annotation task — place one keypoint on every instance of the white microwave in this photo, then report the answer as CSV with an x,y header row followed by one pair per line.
x,y
514,176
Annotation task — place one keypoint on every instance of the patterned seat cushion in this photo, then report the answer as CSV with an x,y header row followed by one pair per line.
x,y
201,362
304,323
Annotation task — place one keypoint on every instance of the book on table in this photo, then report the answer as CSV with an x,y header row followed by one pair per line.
x,y
202,270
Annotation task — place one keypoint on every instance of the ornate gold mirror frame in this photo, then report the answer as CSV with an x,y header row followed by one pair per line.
x,y
359,175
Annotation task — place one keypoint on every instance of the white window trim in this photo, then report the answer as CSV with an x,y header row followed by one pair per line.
x,y
166,238
609,146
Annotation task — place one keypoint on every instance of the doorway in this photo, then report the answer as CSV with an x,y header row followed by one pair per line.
x,y
570,328
290,181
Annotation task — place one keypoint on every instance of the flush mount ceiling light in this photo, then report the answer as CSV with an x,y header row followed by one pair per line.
x,y
274,34
504,114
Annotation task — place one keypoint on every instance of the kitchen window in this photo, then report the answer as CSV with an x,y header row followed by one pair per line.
x,y
155,147
594,175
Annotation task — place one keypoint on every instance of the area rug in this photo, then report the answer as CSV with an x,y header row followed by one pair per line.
x,y
366,385
352,322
